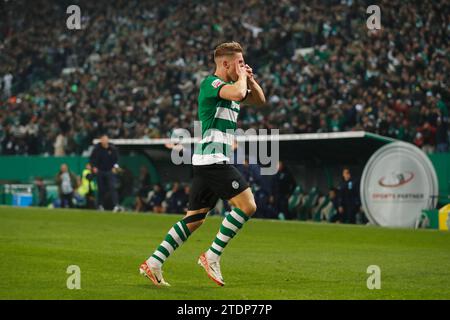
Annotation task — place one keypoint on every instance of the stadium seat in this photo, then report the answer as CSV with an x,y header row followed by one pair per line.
x,y
128,202
328,212
317,210
295,201
52,193
309,201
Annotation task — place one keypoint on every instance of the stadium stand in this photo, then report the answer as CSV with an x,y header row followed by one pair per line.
x,y
133,70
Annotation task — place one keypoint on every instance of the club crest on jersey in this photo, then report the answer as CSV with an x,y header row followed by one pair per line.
x,y
216,83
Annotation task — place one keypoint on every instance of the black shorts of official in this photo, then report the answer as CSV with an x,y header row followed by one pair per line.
x,y
213,182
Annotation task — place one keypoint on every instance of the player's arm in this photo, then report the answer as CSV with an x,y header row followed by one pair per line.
x,y
255,96
238,90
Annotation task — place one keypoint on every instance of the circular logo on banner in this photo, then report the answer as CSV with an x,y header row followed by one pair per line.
x,y
397,183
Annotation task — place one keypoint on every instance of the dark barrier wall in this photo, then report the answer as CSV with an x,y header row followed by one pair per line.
x,y
325,176
23,169
441,162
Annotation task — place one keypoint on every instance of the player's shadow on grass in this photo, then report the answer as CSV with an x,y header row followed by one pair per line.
x,y
148,286
181,288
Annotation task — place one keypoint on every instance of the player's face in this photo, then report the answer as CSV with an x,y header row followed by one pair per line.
x,y
104,140
237,58
346,175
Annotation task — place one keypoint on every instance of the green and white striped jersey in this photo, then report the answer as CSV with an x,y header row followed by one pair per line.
x,y
216,116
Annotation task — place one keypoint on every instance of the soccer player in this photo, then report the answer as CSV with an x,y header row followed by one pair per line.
x,y
219,102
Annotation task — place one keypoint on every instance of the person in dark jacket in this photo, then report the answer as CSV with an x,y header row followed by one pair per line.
x,y
442,135
104,159
283,183
348,199
41,192
175,201
333,196
144,188
155,199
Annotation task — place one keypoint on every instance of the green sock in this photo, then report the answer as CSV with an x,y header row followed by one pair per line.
x,y
232,223
177,235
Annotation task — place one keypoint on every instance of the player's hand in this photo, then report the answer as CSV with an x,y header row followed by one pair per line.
x,y
240,70
249,71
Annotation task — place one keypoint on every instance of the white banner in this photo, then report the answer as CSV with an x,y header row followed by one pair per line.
x,y
397,183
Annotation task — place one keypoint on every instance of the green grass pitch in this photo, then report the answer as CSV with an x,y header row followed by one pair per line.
x,y
266,260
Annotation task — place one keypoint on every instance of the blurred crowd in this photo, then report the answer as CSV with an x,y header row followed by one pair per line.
x,y
134,69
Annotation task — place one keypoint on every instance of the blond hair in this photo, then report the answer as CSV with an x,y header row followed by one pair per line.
x,y
227,49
